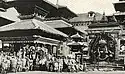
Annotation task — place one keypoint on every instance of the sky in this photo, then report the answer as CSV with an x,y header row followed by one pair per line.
x,y
83,6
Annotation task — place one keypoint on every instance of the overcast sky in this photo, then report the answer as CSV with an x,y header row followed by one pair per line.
x,y
82,6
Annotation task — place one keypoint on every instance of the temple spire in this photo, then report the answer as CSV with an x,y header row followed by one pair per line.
x,y
104,18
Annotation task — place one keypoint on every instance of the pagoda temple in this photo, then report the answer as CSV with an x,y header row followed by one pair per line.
x,y
43,8
31,32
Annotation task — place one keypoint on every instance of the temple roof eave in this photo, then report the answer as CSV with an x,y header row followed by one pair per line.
x,y
34,25
30,39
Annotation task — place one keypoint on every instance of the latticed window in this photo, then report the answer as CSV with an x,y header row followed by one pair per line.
x,y
91,14
41,11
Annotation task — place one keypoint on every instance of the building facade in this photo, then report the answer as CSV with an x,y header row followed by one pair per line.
x,y
120,17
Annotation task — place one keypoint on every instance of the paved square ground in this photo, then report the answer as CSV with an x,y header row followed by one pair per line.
x,y
90,72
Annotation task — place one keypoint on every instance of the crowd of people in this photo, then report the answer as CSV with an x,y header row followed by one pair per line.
x,y
37,58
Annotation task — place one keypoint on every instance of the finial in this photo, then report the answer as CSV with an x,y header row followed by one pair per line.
x,y
103,13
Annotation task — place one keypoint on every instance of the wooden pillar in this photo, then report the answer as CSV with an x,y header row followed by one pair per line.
x,y
51,48
76,57
1,45
81,58
117,47
54,50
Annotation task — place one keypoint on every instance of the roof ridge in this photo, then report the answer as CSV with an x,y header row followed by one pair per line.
x,y
8,25
36,26
58,32
66,23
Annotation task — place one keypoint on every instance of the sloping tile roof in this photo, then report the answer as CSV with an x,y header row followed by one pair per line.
x,y
62,9
76,36
31,24
85,17
8,0
81,29
56,6
11,14
58,24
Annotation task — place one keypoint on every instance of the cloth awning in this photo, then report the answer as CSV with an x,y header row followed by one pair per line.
x,y
31,24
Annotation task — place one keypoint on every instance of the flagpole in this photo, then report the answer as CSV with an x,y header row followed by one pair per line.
x,y
57,2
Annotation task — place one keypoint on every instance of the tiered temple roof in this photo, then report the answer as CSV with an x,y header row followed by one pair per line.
x,y
27,7
30,27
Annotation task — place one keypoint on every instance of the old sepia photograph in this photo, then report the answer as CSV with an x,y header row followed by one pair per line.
x,y
62,36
